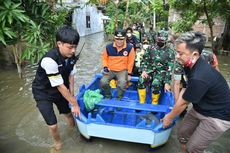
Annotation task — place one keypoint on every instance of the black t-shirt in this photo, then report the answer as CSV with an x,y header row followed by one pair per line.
x,y
208,91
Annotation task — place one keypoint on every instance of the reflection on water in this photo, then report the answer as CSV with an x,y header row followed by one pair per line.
x,y
22,129
224,62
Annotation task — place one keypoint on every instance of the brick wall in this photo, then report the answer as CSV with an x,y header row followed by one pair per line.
x,y
218,27
198,26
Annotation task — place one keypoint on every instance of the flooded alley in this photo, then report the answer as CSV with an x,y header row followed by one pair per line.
x,y
23,130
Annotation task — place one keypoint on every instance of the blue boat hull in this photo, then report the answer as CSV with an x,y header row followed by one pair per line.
x,y
127,119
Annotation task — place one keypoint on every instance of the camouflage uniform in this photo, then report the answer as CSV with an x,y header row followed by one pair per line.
x,y
158,63
152,35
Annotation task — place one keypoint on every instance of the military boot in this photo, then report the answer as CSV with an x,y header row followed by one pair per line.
x,y
142,95
120,94
155,98
107,93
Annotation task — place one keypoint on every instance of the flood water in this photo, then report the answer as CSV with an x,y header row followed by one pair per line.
x,y
22,129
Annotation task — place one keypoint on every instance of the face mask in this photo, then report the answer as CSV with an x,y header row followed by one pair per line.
x,y
160,44
129,34
189,63
145,46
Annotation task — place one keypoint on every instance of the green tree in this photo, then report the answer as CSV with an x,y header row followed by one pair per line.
x,y
32,23
131,11
191,11
40,32
12,19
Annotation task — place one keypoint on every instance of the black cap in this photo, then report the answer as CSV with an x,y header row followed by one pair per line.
x,y
120,34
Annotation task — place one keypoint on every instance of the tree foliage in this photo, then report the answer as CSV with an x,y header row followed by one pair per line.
x,y
132,11
192,11
40,32
204,11
12,18
29,21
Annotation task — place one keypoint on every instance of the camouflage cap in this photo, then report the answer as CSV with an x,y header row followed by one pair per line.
x,y
162,36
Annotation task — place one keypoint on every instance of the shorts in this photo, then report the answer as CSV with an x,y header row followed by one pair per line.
x,y
47,111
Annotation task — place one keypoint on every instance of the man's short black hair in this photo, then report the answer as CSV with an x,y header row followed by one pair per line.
x,y
67,34
129,29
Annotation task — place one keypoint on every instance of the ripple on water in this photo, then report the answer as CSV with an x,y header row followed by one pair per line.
x,y
34,131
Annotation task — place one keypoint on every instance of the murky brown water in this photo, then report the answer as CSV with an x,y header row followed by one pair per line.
x,y
22,129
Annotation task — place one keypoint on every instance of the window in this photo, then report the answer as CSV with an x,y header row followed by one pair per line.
x,y
87,21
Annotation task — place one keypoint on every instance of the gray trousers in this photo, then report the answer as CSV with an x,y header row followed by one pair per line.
x,y
198,131
120,76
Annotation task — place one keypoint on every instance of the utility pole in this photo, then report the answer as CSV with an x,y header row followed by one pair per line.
x,y
116,12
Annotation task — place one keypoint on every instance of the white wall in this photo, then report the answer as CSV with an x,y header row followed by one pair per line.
x,y
79,20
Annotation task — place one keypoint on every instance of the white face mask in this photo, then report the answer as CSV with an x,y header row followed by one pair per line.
x,y
129,34
145,46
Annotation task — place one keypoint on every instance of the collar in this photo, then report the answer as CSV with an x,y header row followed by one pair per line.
x,y
197,63
120,48
189,71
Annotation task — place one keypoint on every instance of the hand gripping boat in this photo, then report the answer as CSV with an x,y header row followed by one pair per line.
x,y
125,119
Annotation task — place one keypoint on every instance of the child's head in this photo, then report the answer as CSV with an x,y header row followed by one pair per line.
x,y
67,34
67,40
138,47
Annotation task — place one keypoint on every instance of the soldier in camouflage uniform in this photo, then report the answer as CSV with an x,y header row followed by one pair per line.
x,y
156,68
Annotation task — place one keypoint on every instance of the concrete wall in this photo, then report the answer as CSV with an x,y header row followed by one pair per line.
x,y
79,20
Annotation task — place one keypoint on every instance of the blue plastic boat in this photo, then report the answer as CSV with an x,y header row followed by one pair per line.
x,y
125,119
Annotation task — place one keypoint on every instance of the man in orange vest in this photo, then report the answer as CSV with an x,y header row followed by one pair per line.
x,y
117,60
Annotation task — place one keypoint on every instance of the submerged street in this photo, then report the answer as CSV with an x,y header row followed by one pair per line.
x,y
23,130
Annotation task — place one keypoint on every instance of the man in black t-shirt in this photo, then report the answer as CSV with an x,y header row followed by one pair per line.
x,y
207,90
54,82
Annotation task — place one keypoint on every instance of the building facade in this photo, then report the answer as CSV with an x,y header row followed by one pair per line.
x,y
87,19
